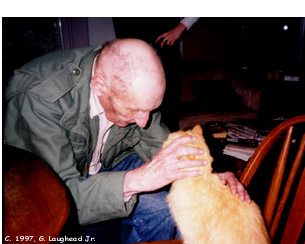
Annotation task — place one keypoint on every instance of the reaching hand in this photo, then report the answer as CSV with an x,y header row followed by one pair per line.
x,y
171,36
230,180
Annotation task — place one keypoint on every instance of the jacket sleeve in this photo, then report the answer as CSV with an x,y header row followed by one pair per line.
x,y
33,124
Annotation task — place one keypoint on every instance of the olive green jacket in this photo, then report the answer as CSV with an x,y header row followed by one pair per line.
x,y
48,114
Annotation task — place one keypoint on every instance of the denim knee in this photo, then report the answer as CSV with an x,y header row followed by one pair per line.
x,y
152,219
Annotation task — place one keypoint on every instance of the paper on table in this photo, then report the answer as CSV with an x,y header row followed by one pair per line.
x,y
240,152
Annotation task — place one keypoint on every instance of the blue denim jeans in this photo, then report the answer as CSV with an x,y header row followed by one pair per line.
x,y
151,219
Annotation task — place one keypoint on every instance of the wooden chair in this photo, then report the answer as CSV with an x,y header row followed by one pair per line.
x,y
279,199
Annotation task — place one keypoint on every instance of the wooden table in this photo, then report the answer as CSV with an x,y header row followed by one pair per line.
x,y
36,205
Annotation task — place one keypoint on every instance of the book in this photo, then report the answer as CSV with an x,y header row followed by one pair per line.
x,y
243,156
238,151
241,127
243,132
244,142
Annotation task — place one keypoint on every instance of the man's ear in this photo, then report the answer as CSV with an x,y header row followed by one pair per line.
x,y
98,84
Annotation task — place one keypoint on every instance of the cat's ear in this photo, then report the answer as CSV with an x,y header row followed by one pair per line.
x,y
198,130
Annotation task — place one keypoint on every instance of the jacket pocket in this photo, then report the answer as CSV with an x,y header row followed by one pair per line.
x,y
79,148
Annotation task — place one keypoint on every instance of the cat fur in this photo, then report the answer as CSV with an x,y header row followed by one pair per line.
x,y
205,210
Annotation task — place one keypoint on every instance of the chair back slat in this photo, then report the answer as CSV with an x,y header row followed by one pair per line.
x,y
296,217
290,180
257,157
277,179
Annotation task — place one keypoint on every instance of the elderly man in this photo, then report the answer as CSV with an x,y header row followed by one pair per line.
x,y
91,115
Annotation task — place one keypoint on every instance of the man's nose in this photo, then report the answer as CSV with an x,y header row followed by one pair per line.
x,y
142,118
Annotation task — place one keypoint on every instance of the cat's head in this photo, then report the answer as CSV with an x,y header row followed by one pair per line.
x,y
200,143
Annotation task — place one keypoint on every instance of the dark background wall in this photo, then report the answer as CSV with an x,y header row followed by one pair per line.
x,y
260,42
25,39
257,46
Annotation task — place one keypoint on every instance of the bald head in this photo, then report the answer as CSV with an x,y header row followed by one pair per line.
x,y
123,61
129,81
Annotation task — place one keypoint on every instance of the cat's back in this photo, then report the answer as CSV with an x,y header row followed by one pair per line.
x,y
207,212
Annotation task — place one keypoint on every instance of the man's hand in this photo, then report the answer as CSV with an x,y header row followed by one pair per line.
x,y
164,168
171,36
230,180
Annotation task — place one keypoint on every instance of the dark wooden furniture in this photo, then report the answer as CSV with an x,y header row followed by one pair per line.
x,y
283,180
214,93
36,205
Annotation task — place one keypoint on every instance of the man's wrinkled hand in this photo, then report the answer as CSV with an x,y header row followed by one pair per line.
x,y
229,179
165,167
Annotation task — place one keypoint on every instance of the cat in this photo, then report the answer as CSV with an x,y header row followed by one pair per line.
x,y
205,210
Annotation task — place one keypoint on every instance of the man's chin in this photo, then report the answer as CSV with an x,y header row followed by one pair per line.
x,y
121,124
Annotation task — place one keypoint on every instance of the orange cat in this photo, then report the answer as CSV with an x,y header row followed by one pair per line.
x,y
205,210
